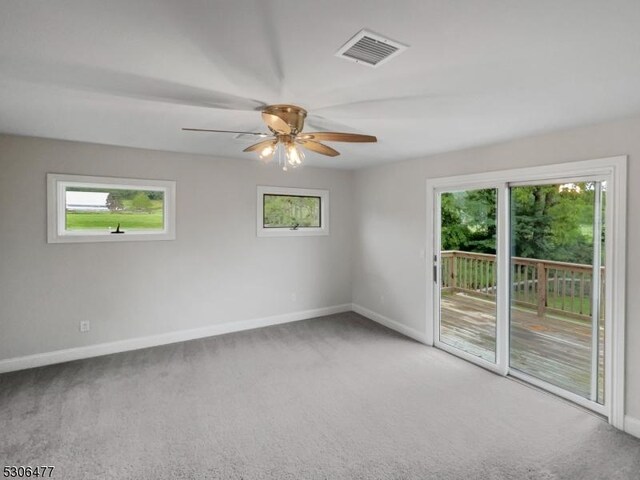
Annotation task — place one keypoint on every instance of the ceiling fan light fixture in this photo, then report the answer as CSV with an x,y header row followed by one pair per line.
x,y
267,152
287,154
294,155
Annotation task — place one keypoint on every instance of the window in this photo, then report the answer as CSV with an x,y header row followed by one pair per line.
x,y
103,209
292,212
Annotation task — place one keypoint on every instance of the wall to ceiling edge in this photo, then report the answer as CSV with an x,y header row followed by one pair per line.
x,y
390,272
217,275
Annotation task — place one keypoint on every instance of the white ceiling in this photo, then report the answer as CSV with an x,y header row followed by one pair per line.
x,y
133,73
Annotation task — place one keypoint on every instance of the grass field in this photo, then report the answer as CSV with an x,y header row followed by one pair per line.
x,y
109,221
562,302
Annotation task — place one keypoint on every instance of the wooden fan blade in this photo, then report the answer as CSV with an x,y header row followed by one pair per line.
x,y
337,137
225,131
276,123
318,148
260,145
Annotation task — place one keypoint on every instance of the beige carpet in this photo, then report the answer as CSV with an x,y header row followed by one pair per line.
x,y
337,397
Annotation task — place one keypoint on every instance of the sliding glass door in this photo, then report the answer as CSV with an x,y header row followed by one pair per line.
x,y
557,285
520,280
468,276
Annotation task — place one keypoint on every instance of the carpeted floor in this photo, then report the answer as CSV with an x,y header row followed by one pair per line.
x,y
337,397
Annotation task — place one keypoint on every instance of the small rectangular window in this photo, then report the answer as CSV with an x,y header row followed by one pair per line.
x,y
88,209
292,211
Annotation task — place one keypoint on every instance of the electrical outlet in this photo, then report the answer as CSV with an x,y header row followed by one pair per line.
x,y
294,297
85,326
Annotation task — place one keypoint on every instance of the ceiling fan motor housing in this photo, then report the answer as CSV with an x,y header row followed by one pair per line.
x,y
293,115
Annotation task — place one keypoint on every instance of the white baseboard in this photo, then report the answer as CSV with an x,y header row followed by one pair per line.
x,y
69,354
389,323
632,426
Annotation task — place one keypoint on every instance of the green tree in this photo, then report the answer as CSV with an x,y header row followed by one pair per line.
x,y
531,222
288,211
141,202
552,223
455,234
547,222
114,201
468,221
481,208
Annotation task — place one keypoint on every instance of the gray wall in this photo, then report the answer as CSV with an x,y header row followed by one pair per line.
x,y
390,215
216,271
219,271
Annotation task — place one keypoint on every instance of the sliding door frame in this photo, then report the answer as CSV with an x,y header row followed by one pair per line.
x,y
500,366
614,170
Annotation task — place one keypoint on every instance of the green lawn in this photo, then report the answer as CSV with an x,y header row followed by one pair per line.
x,y
109,220
569,305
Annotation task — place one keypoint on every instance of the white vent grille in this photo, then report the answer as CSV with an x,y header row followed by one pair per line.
x,y
370,49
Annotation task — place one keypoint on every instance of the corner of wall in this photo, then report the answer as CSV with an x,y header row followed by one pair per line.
x,y
390,323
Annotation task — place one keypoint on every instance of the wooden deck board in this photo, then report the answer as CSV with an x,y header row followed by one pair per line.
x,y
554,349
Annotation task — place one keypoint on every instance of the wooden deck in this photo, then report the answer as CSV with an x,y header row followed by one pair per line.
x,y
551,348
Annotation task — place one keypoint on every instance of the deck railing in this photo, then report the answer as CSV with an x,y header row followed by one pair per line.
x,y
547,286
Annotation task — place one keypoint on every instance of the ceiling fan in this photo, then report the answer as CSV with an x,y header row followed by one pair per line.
x,y
287,142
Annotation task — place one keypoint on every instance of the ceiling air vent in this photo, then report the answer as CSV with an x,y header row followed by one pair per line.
x,y
370,49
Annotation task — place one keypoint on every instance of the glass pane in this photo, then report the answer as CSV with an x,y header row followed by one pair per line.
x,y
554,296
291,211
104,209
468,271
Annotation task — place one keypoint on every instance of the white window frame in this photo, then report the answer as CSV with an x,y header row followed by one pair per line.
x,y
614,170
57,233
300,231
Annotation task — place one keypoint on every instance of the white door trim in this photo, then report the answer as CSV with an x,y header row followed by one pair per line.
x,y
614,169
